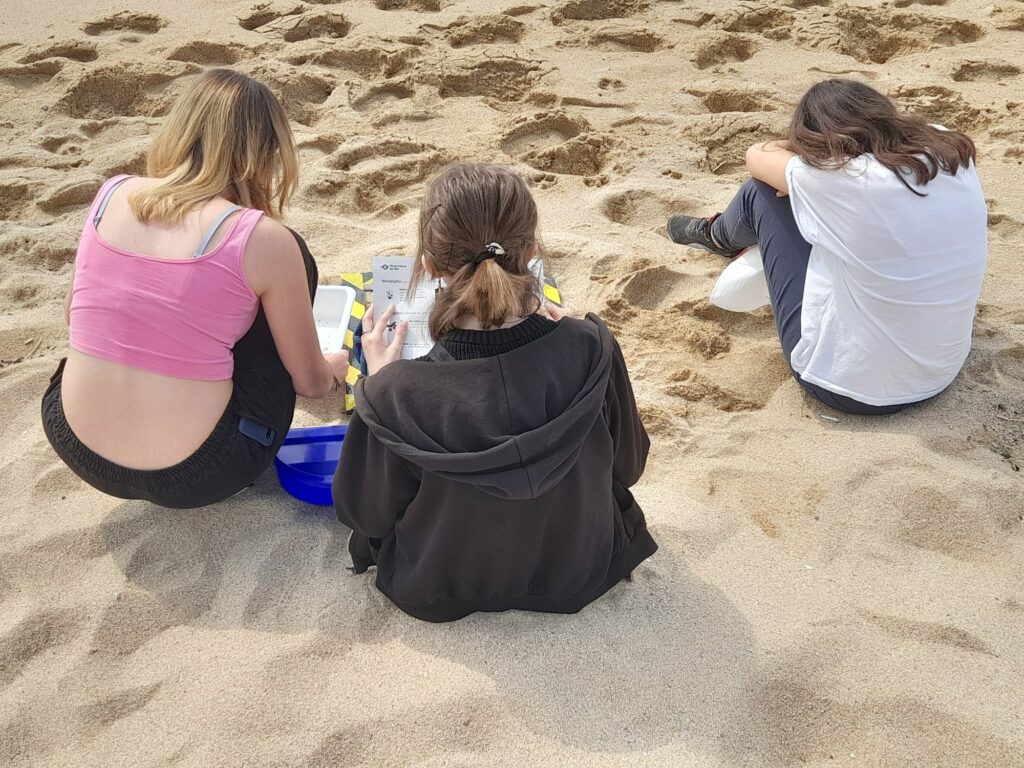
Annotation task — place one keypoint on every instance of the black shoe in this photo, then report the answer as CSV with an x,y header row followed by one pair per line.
x,y
696,233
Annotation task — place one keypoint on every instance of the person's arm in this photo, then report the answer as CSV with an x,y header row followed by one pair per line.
x,y
277,273
372,487
767,162
629,438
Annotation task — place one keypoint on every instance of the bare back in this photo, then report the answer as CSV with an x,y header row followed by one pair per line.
x,y
133,417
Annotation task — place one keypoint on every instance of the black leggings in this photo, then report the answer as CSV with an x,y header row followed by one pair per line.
x,y
228,460
757,216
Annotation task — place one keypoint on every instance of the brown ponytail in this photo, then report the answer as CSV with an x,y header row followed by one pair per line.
x,y
468,207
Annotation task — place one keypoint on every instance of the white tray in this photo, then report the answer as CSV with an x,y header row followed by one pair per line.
x,y
332,311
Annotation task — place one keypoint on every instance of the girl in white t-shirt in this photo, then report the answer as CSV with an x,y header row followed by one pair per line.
x,y
872,228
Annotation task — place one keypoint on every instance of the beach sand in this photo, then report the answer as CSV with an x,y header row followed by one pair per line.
x,y
840,591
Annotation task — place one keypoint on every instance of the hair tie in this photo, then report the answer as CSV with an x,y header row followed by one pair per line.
x,y
489,252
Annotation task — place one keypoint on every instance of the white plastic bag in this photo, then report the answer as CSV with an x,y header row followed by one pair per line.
x,y
742,286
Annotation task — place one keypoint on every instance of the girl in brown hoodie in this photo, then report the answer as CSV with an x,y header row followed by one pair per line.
x,y
494,473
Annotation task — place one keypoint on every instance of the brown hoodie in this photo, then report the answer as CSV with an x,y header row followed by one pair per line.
x,y
499,482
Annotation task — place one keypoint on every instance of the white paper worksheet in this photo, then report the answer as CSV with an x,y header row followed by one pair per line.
x,y
391,275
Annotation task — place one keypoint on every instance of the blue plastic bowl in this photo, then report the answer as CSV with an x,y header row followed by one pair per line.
x,y
307,461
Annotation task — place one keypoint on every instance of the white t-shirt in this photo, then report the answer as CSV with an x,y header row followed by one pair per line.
x,y
893,279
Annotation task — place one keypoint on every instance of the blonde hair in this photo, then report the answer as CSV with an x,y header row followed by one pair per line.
x,y
466,208
226,135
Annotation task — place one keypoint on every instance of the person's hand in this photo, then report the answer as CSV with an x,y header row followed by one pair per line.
x,y
552,311
339,366
376,350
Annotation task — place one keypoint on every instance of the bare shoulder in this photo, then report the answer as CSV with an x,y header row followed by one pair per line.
x,y
271,252
273,241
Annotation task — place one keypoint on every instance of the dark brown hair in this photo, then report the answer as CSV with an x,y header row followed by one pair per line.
x,y
467,207
838,120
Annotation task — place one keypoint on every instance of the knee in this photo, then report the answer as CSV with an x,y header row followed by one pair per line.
x,y
753,189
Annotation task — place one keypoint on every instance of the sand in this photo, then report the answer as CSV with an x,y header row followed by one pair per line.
x,y
842,591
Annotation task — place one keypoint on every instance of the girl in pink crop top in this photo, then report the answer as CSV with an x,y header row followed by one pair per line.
x,y
176,317
183,373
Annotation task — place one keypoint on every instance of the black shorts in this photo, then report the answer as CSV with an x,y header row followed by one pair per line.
x,y
240,448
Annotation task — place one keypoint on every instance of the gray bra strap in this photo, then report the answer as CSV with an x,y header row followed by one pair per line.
x,y
106,200
201,248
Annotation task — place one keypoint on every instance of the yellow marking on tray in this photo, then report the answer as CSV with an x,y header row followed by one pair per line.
x,y
355,279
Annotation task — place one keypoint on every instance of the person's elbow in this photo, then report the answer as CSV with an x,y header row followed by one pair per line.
x,y
311,384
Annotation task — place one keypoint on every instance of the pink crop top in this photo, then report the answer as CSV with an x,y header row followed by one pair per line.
x,y
176,317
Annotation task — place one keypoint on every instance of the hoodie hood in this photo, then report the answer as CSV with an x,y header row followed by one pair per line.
x,y
512,425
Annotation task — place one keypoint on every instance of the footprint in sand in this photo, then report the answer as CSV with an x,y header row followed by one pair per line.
x,y
542,131
265,13
479,30
648,208
723,48
622,38
368,98
695,387
294,24
428,6
968,523
997,368
876,35
16,198
505,78
649,288
768,21
557,143
661,422
208,53
70,194
1008,17
74,50
1006,227
126,21
726,137
652,290
376,175
985,72
300,93
369,57
31,75
943,106
594,10
736,99
121,90
27,291
51,250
